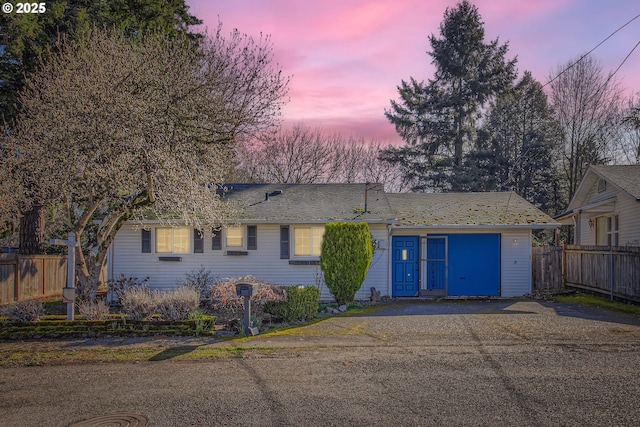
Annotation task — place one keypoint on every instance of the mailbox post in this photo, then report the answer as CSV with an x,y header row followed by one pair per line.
x,y
69,292
246,290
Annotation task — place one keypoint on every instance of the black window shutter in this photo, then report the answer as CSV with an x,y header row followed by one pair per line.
x,y
146,241
198,242
284,242
252,237
216,241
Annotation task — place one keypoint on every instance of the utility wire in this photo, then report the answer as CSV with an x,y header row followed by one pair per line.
x,y
597,46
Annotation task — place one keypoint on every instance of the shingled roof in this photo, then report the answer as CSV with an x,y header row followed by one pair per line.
x,y
467,209
309,202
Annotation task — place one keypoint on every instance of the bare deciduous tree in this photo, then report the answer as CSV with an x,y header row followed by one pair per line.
x,y
119,129
628,148
587,105
305,156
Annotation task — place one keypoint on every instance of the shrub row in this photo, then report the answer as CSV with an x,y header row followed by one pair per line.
x,y
301,303
112,326
140,303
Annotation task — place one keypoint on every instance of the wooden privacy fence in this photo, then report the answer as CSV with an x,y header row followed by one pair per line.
x,y
614,271
24,277
546,267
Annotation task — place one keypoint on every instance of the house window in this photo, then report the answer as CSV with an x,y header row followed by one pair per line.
x,y
172,240
612,230
607,230
234,237
602,185
307,240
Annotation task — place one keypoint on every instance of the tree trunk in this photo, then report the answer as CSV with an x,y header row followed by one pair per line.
x,y
32,231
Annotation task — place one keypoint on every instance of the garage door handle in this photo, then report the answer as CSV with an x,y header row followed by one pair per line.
x,y
462,277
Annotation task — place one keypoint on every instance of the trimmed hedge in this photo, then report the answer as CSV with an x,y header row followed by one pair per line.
x,y
301,303
345,257
115,326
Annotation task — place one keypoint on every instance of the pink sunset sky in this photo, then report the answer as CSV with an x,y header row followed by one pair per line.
x,y
347,57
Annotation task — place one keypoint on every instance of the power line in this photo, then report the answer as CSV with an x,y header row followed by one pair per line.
x,y
597,46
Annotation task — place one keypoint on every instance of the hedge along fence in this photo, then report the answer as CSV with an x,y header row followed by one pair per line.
x,y
345,258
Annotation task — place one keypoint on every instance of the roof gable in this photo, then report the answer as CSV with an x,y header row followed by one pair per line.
x,y
624,178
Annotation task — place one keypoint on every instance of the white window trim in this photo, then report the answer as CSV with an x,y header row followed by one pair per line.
x,y
293,241
612,229
173,251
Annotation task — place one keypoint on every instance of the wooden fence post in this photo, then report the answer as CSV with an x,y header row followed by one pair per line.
x,y
16,280
564,265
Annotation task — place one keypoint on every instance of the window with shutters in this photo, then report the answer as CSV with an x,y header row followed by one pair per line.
x,y
307,240
234,237
172,240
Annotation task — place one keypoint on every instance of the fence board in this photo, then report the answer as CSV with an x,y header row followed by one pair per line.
x,y
55,275
546,267
612,271
7,281
25,277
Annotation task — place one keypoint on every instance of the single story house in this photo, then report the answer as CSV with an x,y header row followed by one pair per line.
x,y
457,244
605,210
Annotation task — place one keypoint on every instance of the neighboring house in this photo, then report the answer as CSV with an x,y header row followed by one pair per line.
x,y
464,244
605,209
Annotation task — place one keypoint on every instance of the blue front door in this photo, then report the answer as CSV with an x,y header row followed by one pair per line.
x,y
405,266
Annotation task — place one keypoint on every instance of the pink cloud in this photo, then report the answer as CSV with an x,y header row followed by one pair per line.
x,y
348,57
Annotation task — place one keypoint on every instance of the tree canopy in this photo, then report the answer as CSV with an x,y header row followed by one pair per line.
x,y
438,119
115,129
30,38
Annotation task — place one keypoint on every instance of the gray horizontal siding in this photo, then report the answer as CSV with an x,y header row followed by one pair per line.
x,y
264,263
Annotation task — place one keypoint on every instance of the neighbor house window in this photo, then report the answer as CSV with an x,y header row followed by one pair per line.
x,y
607,230
172,240
307,240
612,230
234,237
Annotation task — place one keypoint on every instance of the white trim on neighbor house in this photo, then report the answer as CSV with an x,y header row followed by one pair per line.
x,y
594,199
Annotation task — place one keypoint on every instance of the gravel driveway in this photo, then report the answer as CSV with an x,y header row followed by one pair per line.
x,y
461,363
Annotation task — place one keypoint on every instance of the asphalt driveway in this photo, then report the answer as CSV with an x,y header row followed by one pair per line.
x,y
448,363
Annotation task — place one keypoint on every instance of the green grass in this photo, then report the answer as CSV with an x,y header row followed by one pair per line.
x,y
597,301
93,354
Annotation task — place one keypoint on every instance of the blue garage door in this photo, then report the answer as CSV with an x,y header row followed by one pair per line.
x,y
474,265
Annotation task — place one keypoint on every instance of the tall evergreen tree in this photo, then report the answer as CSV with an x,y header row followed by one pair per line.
x,y
438,119
516,150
